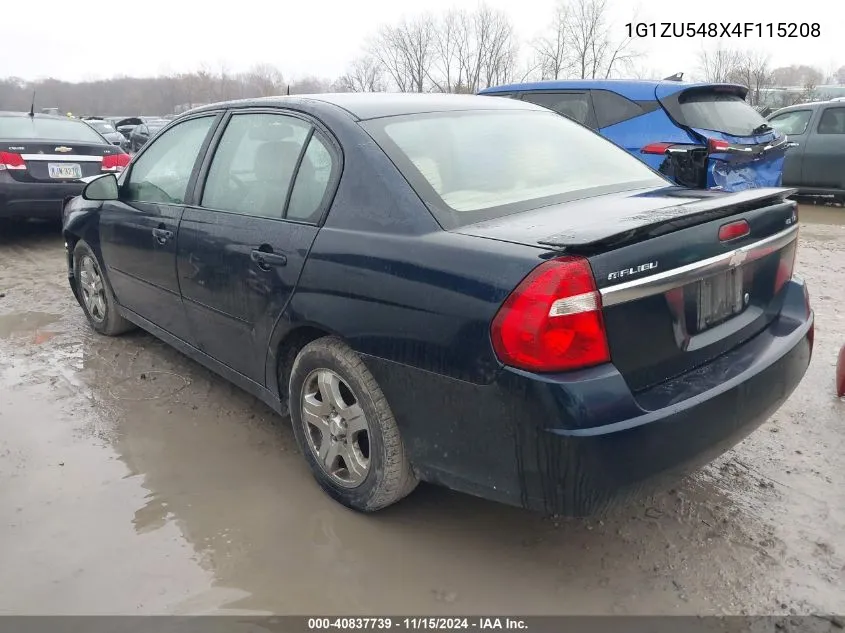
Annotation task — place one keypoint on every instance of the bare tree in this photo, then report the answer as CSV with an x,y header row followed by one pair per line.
x,y
365,74
405,52
594,53
839,75
497,47
551,49
719,65
450,40
752,71
265,80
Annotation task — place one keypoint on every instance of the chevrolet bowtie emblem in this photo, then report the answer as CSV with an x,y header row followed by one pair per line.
x,y
64,149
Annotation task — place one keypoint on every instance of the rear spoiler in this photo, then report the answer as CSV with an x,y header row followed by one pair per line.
x,y
661,221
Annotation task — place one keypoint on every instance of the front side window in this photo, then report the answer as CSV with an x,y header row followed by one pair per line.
x,y
162,173
832,121
254,164
792,123
479,165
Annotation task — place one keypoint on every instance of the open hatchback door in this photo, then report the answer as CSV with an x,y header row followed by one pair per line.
x,y
730,146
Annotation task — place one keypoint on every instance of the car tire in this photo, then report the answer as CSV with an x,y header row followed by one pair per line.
x,y
340,414
95,293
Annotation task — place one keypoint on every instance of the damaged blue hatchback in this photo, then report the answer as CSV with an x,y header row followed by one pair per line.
x,y
700,135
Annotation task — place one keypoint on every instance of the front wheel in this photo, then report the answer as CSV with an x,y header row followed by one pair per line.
x,y
95,293
345,428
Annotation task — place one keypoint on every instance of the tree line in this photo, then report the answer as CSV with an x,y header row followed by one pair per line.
x,y
461,51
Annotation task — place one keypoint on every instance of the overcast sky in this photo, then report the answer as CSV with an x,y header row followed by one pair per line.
x,y
76,41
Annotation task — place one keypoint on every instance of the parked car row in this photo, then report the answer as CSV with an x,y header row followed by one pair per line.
x,y
469,291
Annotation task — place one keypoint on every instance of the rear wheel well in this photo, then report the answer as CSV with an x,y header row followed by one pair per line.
x,y
286,354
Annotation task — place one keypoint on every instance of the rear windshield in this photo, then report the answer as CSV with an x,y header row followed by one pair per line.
x,y
103,127
24,127
721,112
480,165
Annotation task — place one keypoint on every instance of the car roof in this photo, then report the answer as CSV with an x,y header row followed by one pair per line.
x,y
812,105
373,105
37,115
634,89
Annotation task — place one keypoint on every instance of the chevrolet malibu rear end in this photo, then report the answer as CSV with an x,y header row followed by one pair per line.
x,y
605,329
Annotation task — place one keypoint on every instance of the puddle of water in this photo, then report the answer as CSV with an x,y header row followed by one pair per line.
x,y
25,322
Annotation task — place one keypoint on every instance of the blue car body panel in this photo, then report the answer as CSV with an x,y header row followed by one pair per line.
x,y
723,171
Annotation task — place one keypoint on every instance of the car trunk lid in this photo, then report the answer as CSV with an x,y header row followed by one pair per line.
x,y
683,276
55,161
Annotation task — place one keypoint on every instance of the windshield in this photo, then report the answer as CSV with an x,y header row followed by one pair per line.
x,y
794,122
24,127
474,166
103,127
720,112
155,126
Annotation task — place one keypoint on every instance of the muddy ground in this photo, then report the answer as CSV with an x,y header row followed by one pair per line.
x,y
132,480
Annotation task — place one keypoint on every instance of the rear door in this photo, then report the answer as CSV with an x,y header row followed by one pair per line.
x,y
796,125
574,104
242,248
138,231
739,150
824,155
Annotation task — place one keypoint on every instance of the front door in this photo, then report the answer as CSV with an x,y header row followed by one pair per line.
x,y
796,125
241,250
138,232
824,156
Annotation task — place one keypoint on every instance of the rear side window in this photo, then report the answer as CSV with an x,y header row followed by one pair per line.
x,y
24,127
253,166
833,121
720,112
573,105
612,108
794,122
312,182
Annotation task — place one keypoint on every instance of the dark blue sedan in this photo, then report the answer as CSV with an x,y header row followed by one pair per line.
x,y
462,290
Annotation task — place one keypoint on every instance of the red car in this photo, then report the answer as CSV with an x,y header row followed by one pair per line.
x,y
840,373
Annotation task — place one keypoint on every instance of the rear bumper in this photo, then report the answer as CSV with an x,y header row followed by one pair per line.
x,y
35,200
572,444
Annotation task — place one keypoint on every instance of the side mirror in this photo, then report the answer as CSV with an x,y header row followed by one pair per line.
x,y
102,188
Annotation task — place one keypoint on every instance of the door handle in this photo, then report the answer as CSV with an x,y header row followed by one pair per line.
x,y
162,235
266,261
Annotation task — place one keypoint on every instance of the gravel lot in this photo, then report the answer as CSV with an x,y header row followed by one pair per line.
x,y
132,480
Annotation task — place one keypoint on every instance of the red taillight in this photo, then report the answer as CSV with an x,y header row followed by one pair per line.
x,y
656,148
715,145
734,230
553,320
10,160
115,162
